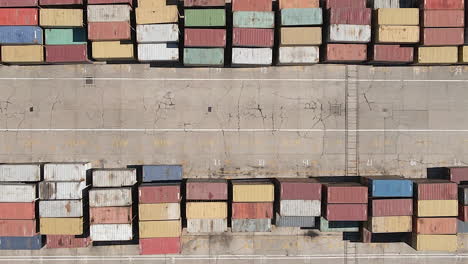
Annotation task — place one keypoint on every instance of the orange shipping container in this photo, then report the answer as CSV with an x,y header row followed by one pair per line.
x,y
111,215
252,210
18,210
18,228
436,226
299,4
18,17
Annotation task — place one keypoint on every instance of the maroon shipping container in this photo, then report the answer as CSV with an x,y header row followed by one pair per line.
x,y
252,5
443,18
60,2
345,3
98,2
345,193
253,37
351,16
391,207
458,174
463,212
111,215
346,212
435,226
393,53
443,4
346,53
435,190
19,211
443,36
98,31
194,3
18,3
207,190
18,228
159,246
159,194
205,37
252,210
66,53
64,241
299,189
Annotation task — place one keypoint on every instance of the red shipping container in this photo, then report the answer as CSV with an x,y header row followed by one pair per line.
x,y
252,5
346,212
206,190
60,2
18,17
443,18
443,4
435,226
195,3
64,241
458,174
393,53
350,16
98,2
443,36
205,37
252,210
66,53
350,193
346,53
345,3
436,190
159,194
18,228
463,212
18,3
111,215
98,31
300,189
18,211
391,207
159,246
253,37
299,4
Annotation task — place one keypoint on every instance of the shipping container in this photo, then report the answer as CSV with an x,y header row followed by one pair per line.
x,y
345,3
299,189
204,190
253,37
204,56
463,212
111,215
350,16
251,225
299,4
18,211
61,226
206,225
445,243
17,193
19,228
398,16
61,190
376,4
397,34
393,54
99,31
18,17
435,226
390,224
252,191
111,232
434,189
345,212
252,210
20,35
389,186
462,227
162,173
301,16
61,17
206,210
443,4
98,2
112,50
345,193
253,19
197,37
114,177
437,208
300,208
298,55
205,18
295,221
66,53
20,172
104,197
157,33
338,226
61,208
204,3
65,36
463,194
66,171
290,36
443,36
159,211
158,52
108,13
64,241
163,245
159,193
21,243
252,5
22,54
60,2
349,33
151,229
252,57
151,4
18,3
453,174
443,18
166,14
391,207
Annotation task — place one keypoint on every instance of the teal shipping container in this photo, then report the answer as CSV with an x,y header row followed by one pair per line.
x,y
205,18
301,16
338,226
65,36
204,56
251,19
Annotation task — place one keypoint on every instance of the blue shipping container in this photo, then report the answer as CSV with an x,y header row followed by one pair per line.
x,y
388,187
462,227
153,173
21,35
22,243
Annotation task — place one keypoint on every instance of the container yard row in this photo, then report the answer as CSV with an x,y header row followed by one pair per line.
x,y
244,33
71,205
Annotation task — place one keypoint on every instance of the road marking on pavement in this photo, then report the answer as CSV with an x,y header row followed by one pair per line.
x,y
233,130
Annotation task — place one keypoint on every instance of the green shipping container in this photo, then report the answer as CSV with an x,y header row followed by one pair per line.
x,y
205,18
251,19
301,16
338,226
204,56
68,36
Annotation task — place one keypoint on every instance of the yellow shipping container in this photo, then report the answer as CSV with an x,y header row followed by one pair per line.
x,y
301,36
398,16
151,3
206,210
149,229
164,14
398,34
160,211
61,17
446,243
61,226
428,208
437,54
390,224
22,54
463,54
253,192
103,50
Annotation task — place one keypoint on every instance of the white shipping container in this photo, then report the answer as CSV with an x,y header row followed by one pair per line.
x,y
109,13
66,171
18,193
300,207
158,52
106,197
20,172
349,33
61,190
252,56
157,33
206,225
299,55
111,232
114,177
376,4
61,208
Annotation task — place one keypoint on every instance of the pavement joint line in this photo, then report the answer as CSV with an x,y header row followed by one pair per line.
x,y
224,130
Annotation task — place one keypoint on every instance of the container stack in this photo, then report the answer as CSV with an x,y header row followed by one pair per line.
x,y
443,31
159,209
157,31
21,38
65,35
252,205
345,202
61,204
205,33
206,207
111,204
18,199
253,32
299,202
348,32
300,32
435,222
390,208
463,209
458,175
109,29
